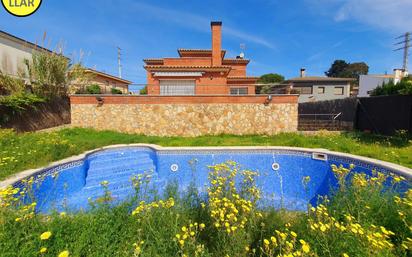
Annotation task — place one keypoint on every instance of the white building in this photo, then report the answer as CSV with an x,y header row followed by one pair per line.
x,y
316,88
13,52
367,83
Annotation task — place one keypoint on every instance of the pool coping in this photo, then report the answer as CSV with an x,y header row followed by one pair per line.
x,y
402,170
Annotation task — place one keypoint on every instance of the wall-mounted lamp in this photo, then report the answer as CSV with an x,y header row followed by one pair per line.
x,y
100,100
268,99
211,77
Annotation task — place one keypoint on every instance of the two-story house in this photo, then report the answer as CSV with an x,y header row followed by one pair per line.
x,y
200,72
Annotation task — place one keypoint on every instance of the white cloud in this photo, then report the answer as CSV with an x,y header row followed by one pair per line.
x,y
390,15
324,51
197,22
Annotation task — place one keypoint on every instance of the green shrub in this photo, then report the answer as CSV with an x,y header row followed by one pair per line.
x,y
404,87
10,85
93,89
143,91
52,74
20,102
116,91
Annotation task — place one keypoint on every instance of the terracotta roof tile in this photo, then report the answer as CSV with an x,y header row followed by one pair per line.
x,y
235,60
182,51
242,77
108,76
153,61
186,68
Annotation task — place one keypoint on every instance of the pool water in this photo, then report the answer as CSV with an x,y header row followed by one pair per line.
x,y
71,186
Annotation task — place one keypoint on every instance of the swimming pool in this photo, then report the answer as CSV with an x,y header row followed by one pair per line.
x,y
72,183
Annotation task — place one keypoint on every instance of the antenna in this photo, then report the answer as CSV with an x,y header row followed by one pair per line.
x,y
118,61
242,49
406,42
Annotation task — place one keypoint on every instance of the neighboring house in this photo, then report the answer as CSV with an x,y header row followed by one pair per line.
x,y
200,72
312,89
13,53
107,81
367,83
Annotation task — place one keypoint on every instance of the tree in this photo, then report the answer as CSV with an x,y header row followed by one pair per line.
x,y
404,87
269,78
354,70
342,69
337,69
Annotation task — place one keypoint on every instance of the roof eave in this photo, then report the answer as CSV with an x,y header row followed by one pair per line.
x,y
109,76
321,80
30,44
153,68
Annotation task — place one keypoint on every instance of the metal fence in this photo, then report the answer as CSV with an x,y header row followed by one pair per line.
x,y
317,121
384,114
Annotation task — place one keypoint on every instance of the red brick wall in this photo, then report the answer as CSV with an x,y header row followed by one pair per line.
x,y
216,45
238,70
188,61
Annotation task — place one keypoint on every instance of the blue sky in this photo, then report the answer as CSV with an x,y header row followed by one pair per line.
x,y
280,36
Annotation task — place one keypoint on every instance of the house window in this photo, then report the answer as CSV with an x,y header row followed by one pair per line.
x,y
238,90
303,90
338,90
321,90
177,87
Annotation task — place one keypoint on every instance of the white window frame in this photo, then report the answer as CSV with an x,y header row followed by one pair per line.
x,y
177,87
238,91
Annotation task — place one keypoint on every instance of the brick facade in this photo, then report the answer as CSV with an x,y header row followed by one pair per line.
x,y
216,75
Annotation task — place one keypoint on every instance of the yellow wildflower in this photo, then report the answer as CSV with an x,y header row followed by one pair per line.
x,y
45,235
43,250
305,248
64,254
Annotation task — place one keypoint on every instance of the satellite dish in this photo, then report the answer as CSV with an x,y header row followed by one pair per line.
x,y
242,55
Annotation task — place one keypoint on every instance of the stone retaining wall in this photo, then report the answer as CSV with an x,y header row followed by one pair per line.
x,y
186,116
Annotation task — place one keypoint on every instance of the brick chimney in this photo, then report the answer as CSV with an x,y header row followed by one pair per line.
x,y
216,43
302,72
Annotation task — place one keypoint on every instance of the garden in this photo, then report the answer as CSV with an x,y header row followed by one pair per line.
x,y
365,215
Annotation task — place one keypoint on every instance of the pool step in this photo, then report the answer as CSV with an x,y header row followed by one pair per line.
x,y
117,170
110,154
122,173
119,160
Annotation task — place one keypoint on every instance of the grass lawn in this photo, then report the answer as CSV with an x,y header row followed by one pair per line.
x,y
30,150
